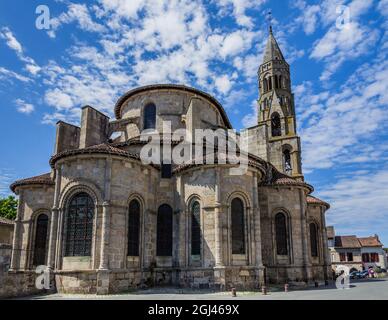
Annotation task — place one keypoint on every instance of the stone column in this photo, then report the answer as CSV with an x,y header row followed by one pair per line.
x,y
325,247
257,231
53,237
305,248
16,252
218,222
104,236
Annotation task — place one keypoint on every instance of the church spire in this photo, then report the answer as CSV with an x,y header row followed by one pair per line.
x,y
272,50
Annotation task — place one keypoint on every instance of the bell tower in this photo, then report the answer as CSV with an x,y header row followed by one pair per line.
x,y
277,110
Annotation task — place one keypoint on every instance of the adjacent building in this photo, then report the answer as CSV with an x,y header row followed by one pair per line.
x,y
6,235
357,253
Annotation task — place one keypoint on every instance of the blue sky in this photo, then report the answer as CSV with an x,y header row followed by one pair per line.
x,y
95,51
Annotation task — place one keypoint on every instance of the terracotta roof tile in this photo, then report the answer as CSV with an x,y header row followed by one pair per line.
x,y
44,179
346,242
276,178
103,148
370,242
313,200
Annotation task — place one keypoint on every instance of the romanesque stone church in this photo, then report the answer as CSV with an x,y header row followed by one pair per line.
x,y
103,221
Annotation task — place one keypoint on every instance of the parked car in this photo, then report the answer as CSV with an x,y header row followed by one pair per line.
x,y
354,275
364,274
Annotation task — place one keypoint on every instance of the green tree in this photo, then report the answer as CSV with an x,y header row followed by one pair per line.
x,y
8,207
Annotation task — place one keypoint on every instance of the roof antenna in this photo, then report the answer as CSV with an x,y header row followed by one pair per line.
x,y
269,21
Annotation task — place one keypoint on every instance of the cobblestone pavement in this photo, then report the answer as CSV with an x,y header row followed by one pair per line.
x,y
368,289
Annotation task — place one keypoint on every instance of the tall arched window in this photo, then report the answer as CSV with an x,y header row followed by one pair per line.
x,y
40,246
79,231
276,82
238,227
265,83
276,126
314,239
195,228
280,82
287,161
133,228
149,116
281,234
164,231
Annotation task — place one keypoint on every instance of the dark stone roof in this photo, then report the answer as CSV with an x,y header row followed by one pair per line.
x,y
5,221
103,148
346,242
313,200
272,50
44,179
172,87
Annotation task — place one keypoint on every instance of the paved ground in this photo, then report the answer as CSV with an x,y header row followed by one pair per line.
x,y
366,289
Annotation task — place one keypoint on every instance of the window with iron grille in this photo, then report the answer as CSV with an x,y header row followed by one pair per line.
x,y
164,231
79,231
195,228
149,116
238,227
281,234
342,257
133,228
40,246
313,240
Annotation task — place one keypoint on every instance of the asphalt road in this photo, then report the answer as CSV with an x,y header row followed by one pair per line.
x,y
366,289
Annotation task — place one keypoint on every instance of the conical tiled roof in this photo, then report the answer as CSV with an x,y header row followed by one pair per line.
x,y
272,51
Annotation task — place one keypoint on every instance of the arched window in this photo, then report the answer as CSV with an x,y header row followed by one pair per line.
x,y
149,116
269,83
195,228
280,82
276,82
265,85
276,126
287,161
314,239
133,228
164,231
79,231
40,246
238,227
281,234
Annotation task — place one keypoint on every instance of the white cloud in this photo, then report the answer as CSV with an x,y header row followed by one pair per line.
x,y
223,84
6,178
239,8
10,39
250,120
24,107
76,13
15,45
7,74
358,201
333,123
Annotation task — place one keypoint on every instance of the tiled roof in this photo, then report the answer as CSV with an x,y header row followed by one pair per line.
x,y
346,242
171,87
97,149
276,178
44,179
221,158
314,200
370,242
6,221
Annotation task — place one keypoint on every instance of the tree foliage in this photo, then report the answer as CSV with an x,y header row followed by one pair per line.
x,y
8,207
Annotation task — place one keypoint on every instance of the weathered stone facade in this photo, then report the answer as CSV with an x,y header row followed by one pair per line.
x,y
88,160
